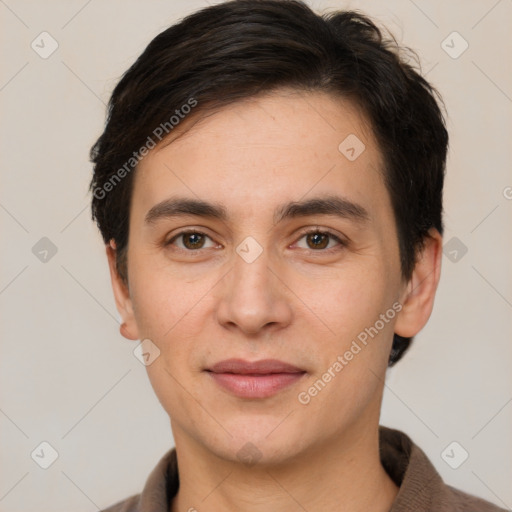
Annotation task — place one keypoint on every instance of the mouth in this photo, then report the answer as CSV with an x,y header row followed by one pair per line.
x,y
256,379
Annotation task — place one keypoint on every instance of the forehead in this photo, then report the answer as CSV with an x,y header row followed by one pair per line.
x,y
280,119
285,144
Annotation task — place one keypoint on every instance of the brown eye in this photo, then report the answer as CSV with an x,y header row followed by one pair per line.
x,y
317,240
320,241
193,240
190,241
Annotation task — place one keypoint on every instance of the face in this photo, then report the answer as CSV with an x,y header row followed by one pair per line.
x,y
255,236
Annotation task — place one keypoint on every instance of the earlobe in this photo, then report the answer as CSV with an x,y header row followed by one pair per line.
x,y
418,297
128,327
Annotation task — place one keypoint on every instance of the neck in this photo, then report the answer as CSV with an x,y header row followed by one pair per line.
x,y
344,475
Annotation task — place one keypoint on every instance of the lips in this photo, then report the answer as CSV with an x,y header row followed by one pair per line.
x,y
262,367
256,379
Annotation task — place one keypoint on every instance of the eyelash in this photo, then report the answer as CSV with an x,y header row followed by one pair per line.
x,y
342,243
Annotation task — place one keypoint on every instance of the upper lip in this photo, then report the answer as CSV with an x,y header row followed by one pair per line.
x,y
263,367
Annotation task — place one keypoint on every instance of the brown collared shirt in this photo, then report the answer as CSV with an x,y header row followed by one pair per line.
x,y
421,487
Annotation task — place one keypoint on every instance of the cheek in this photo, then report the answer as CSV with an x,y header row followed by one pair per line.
x,y
348,301
175,314
160,300
171,314
352,358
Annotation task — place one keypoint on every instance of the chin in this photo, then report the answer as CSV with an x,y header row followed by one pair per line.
x,y
262,441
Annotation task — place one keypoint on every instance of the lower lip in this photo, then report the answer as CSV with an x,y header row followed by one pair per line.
x,y
255,386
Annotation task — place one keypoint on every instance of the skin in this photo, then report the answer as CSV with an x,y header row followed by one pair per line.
x,y
297,303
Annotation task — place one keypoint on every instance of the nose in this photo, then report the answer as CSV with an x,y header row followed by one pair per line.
x,y
254,298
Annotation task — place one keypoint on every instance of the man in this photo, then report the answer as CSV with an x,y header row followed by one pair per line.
x,y
269,188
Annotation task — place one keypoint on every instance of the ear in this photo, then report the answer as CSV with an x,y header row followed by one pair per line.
x,y
417,298
128,327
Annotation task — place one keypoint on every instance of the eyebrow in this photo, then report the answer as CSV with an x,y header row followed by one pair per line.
x,y
325,205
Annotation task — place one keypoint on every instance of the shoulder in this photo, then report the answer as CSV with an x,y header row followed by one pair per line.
x,y
421,488
160,488
458,501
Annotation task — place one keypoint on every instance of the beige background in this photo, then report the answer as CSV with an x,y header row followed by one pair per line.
x,y
69,378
